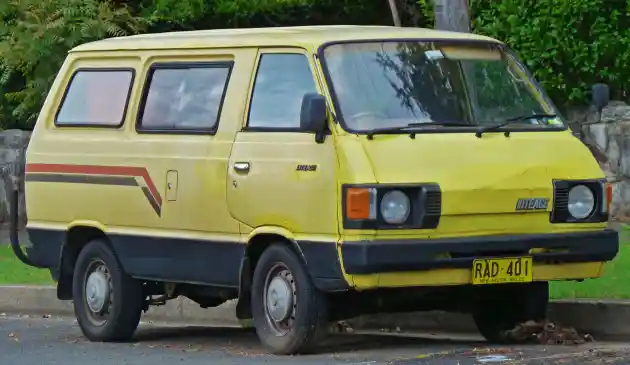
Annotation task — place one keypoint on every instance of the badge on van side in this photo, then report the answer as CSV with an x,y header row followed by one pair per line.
x,y
532,204
306,168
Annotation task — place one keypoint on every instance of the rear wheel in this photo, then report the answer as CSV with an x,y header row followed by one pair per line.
x,y
501,307
289,312
107,302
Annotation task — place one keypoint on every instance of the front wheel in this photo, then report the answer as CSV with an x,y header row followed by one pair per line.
x,y
289,312
503,306
107,302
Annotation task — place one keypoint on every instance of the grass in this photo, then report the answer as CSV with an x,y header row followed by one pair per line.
x,y
614,284
14,272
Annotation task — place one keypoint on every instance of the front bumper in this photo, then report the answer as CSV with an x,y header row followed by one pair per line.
x,y
382,256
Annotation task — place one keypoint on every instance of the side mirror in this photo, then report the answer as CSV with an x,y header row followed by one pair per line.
x,y
600,94
313,116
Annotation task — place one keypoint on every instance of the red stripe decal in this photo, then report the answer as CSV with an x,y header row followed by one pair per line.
x,y
98,170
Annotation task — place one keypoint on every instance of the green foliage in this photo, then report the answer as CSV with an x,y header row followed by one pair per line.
x,y
568,44
203,14
428,12
35,36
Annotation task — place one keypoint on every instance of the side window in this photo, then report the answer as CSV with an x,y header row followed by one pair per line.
x,y
281,82
183,97
96,98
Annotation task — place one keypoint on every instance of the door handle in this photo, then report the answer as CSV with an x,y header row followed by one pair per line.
x,y
241,167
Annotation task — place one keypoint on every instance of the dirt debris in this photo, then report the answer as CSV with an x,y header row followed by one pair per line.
x,y
546,332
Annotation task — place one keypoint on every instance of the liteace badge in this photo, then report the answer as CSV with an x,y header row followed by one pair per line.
x,y
532,204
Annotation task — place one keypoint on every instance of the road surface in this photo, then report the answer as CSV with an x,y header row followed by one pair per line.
x,y
29,340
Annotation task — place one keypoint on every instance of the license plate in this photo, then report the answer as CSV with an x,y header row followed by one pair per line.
x,y
499,271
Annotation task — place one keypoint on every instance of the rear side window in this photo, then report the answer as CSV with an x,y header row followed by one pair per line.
x,y
281,82
96,98
184,97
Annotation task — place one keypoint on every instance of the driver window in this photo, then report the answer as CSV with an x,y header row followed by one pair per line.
x,y
281,82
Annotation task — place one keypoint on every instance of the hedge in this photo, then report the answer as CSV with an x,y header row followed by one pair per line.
x,y
568,44
36,34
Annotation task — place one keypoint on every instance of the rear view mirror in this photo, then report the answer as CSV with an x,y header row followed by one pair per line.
x,y
600,94
313,115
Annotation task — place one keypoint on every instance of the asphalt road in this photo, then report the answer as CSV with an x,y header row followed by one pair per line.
x,y
27,340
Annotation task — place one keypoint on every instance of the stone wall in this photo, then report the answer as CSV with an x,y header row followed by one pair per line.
x,y
608,138
13,145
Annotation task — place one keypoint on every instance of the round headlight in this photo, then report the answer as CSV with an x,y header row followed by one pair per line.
x,y
581,202
395,207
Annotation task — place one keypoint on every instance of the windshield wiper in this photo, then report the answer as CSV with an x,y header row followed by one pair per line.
x,y
496,127
439,124
411,127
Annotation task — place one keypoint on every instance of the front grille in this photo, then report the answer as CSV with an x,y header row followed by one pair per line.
x,y
561,198
433,203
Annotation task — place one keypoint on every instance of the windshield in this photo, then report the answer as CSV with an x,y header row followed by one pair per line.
x,y
394,84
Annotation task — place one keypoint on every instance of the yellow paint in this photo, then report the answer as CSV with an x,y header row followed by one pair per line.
x,y
87,223
463,53
304,37
481,177
444,277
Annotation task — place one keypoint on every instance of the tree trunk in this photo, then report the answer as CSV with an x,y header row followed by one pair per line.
x,y
452,15
395,13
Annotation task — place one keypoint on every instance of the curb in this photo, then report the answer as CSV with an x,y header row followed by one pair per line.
x,y
604,319
608,319
42,300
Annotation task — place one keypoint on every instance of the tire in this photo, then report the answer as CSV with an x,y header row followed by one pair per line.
x,y
501,307
120,314
280,268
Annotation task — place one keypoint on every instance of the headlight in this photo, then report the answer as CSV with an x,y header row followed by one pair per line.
x,y
581,202
392,206
395,207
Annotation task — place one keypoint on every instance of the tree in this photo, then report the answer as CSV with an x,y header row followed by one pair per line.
x,y
452,15
35,36
395,13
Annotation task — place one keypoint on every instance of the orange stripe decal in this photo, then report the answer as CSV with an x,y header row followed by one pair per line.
x,y
155,199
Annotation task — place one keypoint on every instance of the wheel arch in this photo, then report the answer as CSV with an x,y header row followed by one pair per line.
x,y
77,236
257,242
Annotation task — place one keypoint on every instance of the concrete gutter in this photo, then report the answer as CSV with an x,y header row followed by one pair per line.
x,y
603,319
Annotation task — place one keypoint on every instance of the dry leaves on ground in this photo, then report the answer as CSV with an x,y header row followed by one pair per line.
x,y
546,333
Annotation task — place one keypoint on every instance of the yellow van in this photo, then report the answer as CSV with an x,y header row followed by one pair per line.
x,y
312,173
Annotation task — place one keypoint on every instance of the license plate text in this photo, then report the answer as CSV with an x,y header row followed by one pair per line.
x,y
503,270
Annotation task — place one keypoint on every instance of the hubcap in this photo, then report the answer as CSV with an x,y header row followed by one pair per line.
x,y
97,291
279,299
98,296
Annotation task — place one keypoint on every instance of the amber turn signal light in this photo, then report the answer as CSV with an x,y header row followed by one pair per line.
x,y
361,203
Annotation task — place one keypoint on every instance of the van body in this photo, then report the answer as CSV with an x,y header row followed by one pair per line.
x,y
311,173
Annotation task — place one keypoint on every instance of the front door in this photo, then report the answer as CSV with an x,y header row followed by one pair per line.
x,y
279,175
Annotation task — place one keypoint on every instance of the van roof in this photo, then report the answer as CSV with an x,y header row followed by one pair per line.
x,y
304,36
